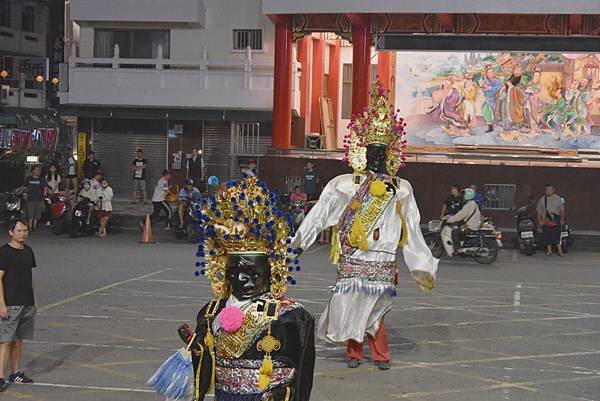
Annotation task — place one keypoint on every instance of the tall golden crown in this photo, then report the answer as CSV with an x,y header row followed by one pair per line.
x,y
243,218
377,124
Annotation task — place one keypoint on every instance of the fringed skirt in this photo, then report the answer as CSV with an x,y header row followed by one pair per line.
x,y
361,297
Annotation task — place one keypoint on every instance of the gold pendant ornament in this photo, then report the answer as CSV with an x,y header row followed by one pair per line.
x,y
267,344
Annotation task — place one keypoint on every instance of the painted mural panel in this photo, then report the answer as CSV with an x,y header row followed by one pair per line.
x,y
454,98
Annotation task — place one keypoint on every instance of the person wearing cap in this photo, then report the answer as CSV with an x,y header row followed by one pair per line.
x,y
469,215
188,193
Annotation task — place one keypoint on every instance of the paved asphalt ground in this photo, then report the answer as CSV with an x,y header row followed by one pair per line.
x,y
525,328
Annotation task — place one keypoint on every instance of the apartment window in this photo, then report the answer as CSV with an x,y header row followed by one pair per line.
x,y
133,43
347,88
243,38
28,19
5,13
500,196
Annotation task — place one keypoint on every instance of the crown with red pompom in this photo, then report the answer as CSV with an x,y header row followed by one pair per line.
x,y
377,124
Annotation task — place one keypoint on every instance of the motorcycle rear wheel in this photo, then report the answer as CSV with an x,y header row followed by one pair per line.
x,y
492,253
435,246
190,231
527,250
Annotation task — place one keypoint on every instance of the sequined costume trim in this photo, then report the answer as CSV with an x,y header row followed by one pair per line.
x,y
237,380
372,278
367,270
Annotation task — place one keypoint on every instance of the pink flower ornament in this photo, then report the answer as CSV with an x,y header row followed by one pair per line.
x,y
231,318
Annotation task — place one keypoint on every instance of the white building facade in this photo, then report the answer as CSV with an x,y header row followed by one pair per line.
x,y
23,52
165,76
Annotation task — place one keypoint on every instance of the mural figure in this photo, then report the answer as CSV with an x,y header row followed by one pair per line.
x,y
539,99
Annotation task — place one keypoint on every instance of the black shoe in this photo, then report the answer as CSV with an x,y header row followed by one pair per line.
x,y
19,377
382,365
353,363
3,385
490,128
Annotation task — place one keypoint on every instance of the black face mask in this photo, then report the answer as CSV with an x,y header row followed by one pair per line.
x,y
248,275
376,158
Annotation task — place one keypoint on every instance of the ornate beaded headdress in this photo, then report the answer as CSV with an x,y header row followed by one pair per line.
x,y
377,124
243,218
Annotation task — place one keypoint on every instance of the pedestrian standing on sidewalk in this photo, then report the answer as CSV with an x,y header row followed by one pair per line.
x,y
17,305
195,169
105,195
159,199
310,181
551,217
139,177
71,174
91,165
37,188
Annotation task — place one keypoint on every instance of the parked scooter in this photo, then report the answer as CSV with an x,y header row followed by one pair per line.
x,y
83,221
61,213
526,230
13,207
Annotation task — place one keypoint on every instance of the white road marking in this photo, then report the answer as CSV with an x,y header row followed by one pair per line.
x,y
106,287
92,345
120,389
517,299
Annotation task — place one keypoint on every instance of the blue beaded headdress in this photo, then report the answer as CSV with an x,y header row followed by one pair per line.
x,y
243,218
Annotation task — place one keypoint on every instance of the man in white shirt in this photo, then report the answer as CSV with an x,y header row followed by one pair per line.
x,y
159,199
469,214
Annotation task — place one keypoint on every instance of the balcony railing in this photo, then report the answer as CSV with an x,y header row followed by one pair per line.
x,y
203,83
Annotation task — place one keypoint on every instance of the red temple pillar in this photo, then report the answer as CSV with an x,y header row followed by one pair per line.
x,y
282,90
384,68
318,64
361,61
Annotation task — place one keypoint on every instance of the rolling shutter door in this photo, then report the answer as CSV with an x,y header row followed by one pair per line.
x,y
116,151
217,149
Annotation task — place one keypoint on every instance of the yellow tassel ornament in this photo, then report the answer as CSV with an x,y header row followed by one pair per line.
x,y
357,237
268,344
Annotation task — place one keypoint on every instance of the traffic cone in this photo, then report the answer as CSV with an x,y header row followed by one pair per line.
x,y
147,237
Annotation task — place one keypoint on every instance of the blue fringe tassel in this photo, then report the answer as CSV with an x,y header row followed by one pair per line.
x,y
369,289
175,378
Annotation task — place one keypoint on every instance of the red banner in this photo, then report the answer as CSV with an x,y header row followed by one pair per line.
x,y
48,137
21,139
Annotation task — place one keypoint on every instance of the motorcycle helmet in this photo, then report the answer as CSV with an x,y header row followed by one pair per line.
x,y
468,194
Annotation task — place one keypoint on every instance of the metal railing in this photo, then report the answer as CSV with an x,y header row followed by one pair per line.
x,y
246,139
500,196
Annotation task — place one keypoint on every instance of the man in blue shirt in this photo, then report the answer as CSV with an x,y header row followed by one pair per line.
x,y
479,199
491,86
310,181
37,188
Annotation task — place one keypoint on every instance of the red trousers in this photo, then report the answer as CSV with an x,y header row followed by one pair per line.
x,y
378,346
